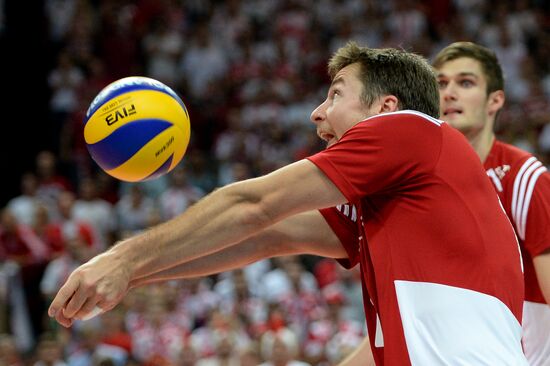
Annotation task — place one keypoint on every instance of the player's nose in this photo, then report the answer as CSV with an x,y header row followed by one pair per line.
x,y
319,114
448,92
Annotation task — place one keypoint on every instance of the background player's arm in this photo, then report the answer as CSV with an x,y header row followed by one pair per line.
x,y
537,229
542,268
307,232
361,356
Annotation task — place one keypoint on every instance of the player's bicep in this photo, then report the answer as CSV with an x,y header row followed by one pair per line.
x,y
295,188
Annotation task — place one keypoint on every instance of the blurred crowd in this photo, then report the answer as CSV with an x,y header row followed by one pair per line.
x,y
250,72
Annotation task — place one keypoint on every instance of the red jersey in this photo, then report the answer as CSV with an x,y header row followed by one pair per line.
x,y
428,225
523,185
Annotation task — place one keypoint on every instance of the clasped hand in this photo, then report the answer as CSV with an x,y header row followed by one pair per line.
x,y
102,282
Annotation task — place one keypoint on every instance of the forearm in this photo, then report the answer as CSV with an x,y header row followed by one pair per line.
x,y
218,221
227,259
299,234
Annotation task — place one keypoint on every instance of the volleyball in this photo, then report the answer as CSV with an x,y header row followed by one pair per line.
x,y
137,129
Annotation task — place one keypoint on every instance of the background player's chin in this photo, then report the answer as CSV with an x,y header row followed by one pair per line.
x,y
455,121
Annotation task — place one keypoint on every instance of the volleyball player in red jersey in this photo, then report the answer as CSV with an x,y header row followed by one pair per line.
x,y
425,236
472,92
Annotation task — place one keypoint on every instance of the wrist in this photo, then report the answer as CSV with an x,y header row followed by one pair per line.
x,y
123,256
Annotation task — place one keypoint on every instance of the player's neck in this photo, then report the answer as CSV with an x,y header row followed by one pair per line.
x,y
482,142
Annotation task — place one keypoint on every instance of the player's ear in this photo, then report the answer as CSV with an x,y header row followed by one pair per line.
x,y
388,103
495,101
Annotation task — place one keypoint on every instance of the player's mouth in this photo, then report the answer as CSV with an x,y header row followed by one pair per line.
x,y
450,112
329,138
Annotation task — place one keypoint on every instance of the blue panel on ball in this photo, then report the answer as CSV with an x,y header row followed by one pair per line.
x,y
163,169
125,141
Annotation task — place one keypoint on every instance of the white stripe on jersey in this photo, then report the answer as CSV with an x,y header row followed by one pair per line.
x,y
530,189
496,181
524,185
522,193
409,111
345,209
516,186
429,118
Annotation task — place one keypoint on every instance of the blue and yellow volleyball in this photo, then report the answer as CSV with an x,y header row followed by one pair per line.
x,y
137,129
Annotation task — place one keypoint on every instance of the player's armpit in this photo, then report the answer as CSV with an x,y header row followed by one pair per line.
x,y
306,233
542,268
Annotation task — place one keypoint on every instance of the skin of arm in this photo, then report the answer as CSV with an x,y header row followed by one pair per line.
x,y
225,217
299,234
361,356
542,268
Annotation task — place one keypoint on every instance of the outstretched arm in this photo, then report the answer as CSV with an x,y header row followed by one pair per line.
x,y
303,233
225,217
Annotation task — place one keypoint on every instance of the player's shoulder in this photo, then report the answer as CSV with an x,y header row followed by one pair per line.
x,y
405,116
405,124
511,152
516,159
518,171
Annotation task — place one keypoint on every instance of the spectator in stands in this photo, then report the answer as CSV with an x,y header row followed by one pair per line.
x,y
70,225
280,348
134,211
18,242
157,337
9,355
99,213
24,206
48,231
77,251
49,351
50,181
179,195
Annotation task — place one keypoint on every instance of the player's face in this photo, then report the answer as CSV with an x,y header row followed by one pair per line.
x,y
343,108
463,95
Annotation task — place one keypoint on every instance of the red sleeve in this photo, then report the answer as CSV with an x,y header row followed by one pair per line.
x,y
537,221
381,155
346,230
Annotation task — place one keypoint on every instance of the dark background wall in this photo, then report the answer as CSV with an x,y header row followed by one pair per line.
x,y
24,61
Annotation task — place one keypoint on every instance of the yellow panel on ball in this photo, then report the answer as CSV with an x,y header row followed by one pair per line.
x,y
153,155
